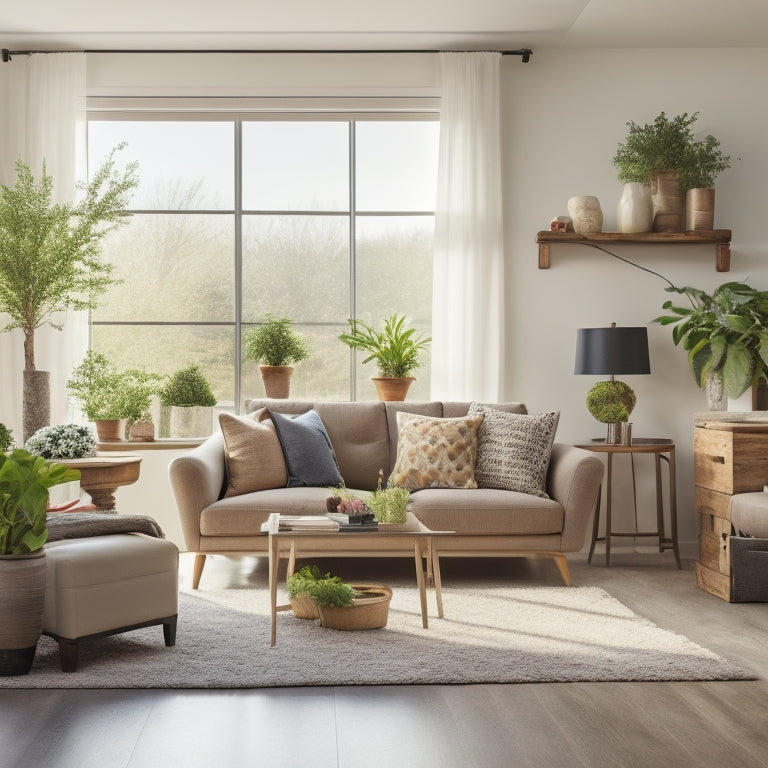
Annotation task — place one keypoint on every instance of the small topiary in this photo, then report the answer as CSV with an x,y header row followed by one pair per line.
x,y
611,401
187,387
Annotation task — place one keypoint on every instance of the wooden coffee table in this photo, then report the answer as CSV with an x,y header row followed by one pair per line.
x,y
409,539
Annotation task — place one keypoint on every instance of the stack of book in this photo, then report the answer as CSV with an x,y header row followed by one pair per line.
x,y
354,522
299,523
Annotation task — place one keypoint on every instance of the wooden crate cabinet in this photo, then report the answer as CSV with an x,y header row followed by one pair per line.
x,y
730,456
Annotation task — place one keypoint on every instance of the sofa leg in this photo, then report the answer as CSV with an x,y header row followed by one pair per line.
x,y
561,561
197,569
68,654
169,630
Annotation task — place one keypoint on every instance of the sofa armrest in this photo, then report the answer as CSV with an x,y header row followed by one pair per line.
x,y
197,478
574,480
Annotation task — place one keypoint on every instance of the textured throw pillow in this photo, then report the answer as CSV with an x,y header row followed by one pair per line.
x,y
513,450
307,450
435,453
253,455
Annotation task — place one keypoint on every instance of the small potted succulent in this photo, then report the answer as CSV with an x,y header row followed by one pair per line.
x,y
277,346
395,350
189,400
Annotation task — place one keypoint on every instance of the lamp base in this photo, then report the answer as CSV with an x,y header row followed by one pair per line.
x,y
619,433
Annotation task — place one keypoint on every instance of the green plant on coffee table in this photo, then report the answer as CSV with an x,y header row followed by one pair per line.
x,y
275,343
390,504
24,483
725,332
326,590
395,349
62,441
343,502
611,401
6,438
187,387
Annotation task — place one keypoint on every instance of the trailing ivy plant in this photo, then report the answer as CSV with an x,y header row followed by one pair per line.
x,y
724,332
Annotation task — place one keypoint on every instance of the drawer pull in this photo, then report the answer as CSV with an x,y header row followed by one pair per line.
x,y
718,459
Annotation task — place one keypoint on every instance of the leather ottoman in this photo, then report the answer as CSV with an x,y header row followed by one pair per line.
x,y
103,585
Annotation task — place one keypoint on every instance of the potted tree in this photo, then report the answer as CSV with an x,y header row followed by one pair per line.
x,y
395,350
24,483
188,399
277,346
659,154
50,260
108,396
725,334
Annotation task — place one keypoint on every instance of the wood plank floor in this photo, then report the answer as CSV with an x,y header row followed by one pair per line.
x,y
627,725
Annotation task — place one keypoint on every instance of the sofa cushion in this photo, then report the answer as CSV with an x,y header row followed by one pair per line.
x,y
393,408
435,453
486,511
513,449
307,449
252,453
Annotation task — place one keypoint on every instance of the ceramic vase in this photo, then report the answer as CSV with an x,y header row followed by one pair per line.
x,y
668,201
634,212
700,208
586,214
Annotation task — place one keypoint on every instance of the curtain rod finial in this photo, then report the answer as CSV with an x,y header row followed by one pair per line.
x,y
6,55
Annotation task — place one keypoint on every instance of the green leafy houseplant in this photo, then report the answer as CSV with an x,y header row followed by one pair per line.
x,y
324,589
725,332
275,343
395,349
703,163
50,258
187,387
24,483
6,438
390,504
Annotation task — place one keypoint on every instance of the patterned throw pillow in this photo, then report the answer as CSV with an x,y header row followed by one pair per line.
x,y
435,453
513,450
253,455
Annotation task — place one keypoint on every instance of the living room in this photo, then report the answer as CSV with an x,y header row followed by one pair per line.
x,y
563,114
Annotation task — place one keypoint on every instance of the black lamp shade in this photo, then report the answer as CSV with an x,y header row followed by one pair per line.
x,y
612,351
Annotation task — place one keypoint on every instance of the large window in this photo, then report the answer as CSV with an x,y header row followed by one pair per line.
x,y
317,218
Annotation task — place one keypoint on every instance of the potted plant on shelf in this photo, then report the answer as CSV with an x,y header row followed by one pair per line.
x,y
725,334
188,401
395,350
24,483
277,346
660,154
50,260
703,164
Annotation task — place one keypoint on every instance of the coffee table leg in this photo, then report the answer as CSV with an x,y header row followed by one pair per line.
x,y
274,559
435,556
421,581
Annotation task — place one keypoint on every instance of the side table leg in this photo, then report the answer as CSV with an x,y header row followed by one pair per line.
x,y
673,506
595,525
421,581
435,557
274,558
608,485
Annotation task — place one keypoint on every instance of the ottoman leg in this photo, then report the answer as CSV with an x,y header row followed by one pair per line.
x,y
68,654
169,630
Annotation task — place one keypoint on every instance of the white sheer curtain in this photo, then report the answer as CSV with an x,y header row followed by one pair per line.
x,y
468,287
42,99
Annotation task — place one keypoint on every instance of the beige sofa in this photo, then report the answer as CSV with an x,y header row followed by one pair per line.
x,y
486,521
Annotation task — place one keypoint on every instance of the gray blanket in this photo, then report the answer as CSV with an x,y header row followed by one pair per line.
x,y
76,525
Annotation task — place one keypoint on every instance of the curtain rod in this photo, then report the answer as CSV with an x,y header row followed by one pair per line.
x,y
524,53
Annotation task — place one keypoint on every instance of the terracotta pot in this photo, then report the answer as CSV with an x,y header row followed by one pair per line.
x,y
277,380
668,201
36,405
392,389
22,596
700,208
110,430
370,611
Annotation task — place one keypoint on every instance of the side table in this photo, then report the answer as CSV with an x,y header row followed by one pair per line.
x,y
101,476
662,449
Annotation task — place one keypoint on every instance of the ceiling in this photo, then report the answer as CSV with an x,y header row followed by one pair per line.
x,y
47,25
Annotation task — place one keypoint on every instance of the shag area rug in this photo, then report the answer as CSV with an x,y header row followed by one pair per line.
x,y
488,635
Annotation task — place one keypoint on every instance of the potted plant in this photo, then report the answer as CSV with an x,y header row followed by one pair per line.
x,y
6,438
395,350
24,483
277,346
345,606
189,400
390,504
50,260
107,395
299,587
704,162
660,154
62,441
725,334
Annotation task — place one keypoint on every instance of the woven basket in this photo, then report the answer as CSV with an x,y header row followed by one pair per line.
x,y
304,607
370,611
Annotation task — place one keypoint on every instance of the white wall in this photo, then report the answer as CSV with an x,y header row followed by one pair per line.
x,y
564,114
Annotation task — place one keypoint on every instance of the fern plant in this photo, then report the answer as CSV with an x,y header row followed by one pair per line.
x,y
275,343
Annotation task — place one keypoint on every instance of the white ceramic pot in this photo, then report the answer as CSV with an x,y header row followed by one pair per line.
x,y
634,212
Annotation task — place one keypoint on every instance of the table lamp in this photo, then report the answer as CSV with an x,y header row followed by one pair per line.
x,y
614,352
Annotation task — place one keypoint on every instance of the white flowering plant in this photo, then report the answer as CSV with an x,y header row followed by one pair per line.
x,y
62,441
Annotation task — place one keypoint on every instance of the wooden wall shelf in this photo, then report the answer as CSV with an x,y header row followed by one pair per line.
x,y
720,238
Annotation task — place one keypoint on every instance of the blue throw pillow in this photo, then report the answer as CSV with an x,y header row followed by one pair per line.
x,y
309,456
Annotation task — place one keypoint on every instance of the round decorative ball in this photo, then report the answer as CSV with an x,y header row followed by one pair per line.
x,y
611,401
